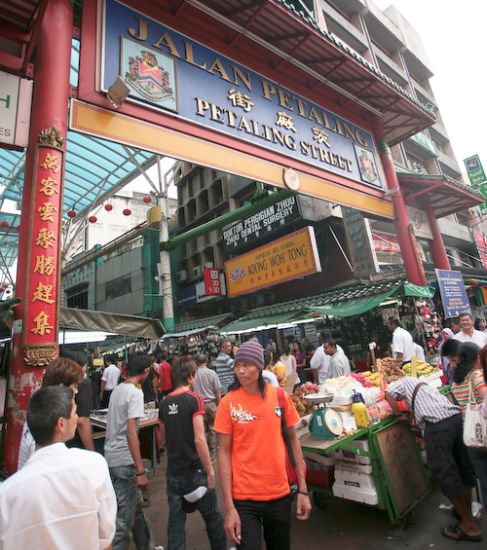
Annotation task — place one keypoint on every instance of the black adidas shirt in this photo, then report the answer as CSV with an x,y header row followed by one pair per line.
x,y
176,412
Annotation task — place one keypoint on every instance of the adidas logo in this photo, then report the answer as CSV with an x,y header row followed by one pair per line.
x,y
173,408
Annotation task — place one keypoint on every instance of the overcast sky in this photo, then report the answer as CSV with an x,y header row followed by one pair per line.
x,y
454,37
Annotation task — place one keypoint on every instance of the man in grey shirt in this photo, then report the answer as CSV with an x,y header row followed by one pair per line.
x,y
224,366
122,452
208,386
339,363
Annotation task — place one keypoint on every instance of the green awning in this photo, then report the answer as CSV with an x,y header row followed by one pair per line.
x,y
408,289
243,324
351,307
195,324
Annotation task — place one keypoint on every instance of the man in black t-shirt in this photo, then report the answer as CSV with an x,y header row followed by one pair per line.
x,y
190,474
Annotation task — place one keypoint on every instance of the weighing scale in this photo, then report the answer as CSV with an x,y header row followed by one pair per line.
x,y
324,423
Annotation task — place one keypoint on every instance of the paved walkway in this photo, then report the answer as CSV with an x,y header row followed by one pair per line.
x,y
338,525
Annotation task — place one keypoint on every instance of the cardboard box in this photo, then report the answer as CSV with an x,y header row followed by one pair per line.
x,y
366,496
346,455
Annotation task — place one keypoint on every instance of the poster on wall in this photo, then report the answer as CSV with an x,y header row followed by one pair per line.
x,y
453,293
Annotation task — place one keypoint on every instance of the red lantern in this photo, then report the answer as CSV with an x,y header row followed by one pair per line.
x,y
4,224
127,212
71,214
92,219
147,199
108,207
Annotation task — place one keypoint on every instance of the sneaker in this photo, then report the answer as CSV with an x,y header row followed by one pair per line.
x,y
159,548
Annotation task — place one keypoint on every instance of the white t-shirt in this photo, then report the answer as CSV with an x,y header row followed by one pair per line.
x,y
270,378
402,342
419,352
111,376
321,361
126,402
62,498
479,338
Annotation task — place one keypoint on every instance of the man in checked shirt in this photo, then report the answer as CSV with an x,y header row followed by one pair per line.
x,y
441,424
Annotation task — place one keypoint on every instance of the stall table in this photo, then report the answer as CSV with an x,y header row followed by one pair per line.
x,y
400,476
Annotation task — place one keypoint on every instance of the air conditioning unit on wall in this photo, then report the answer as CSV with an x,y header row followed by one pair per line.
x,y
197,271
182,276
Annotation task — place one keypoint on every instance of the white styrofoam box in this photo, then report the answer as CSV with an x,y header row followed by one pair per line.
x,y
348,420
367,496
354,466
346,455
353,479
325,460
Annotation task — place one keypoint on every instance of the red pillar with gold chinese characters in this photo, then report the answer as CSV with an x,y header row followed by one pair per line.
x,y
35,328
403,226
438,251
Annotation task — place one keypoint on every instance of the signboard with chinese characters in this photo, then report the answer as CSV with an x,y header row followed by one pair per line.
x,y
453,294
254,228
211,279
41,312
169,72
15,103
475,171
290,257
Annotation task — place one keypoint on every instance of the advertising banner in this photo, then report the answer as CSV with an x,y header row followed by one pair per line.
x,y
475,171
166,71
211,279
359,239
453,292
284,259
15,103
253,228
481,242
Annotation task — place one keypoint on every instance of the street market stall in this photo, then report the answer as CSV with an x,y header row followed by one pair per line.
x,y
354,448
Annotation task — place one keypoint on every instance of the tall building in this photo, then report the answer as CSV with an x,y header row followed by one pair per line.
x,y
387,41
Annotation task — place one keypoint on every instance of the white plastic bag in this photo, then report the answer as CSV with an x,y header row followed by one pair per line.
x,y
474,424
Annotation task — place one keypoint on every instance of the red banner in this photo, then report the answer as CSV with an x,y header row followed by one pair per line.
x,y
212,281
481,242
41,313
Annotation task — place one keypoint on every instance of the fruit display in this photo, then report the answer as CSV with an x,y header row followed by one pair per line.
x,y
303,406
367,378
423,369
389,369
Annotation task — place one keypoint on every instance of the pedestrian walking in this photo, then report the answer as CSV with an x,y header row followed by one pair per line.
x,y
62,498
122,453
109,380
190,473
224,366
208,386
254,481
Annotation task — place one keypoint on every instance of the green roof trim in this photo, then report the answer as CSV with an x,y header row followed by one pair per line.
x,y
201,323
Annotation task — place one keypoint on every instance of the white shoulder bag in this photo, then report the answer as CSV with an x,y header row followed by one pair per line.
x,y
474,424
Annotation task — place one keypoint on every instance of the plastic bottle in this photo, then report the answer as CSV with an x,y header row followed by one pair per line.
x,y
359,411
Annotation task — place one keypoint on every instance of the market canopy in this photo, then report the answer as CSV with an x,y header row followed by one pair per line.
x,y
197,325
128,325
344,302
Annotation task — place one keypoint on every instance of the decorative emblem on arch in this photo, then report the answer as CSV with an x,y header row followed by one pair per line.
x,y
51,137
40,356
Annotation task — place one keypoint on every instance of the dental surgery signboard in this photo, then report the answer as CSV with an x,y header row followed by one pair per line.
x,y
169,72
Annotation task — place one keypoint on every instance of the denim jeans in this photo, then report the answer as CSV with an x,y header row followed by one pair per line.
x,y
131,521
478,458
177,486
272,515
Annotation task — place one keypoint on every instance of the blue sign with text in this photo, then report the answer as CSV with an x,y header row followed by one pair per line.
x,y
453,292
167,71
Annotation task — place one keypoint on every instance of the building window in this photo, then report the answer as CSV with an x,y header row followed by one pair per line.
x,y
78,297
118,287
416,165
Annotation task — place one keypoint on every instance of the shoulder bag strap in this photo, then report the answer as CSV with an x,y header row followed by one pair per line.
x,y
471,388
413,399
281,400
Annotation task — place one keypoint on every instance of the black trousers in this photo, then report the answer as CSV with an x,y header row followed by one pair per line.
x,y
274,516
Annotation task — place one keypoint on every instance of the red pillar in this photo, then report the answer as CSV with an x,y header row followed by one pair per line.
x,y
42,208
440,259
403,226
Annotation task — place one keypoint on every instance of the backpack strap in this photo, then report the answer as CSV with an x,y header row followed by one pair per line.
x,y
281,399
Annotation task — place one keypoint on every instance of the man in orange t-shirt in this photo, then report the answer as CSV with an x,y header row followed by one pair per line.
x,y
252,457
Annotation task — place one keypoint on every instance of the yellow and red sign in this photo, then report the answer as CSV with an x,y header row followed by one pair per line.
x,y
41,301
212,281
284,259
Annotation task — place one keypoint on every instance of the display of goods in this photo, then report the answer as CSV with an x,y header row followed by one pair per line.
x,y
367,378
423,369
389,369
302,405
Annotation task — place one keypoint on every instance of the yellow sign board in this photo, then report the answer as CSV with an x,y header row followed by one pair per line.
x,y
284,259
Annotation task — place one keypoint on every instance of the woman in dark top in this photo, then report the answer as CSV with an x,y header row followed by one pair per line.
x,y
300,356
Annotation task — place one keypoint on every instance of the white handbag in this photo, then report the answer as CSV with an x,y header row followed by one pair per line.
x,y
474,424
